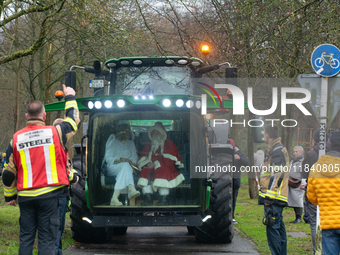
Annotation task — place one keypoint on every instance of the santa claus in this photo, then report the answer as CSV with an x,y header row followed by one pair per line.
x,y
158,162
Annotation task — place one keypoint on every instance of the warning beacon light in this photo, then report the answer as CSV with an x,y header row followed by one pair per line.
x,y
59,94
205,49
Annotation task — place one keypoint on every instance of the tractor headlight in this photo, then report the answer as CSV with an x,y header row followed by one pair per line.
x,y
166,102
179,103
98,104
108,104
120,103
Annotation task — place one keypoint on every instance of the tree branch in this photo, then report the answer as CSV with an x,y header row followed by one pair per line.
x,y
38,43
24,12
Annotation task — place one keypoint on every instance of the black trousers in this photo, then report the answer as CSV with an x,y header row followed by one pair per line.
x,y
235,193
298,212
41,215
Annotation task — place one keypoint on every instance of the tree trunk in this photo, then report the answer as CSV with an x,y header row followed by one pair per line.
x,y
17,68
48,120
253,190
17,103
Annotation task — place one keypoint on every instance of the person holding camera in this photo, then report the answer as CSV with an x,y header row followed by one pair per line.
x,y
274,189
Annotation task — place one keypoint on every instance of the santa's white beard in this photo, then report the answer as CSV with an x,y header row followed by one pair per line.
x,y
156,142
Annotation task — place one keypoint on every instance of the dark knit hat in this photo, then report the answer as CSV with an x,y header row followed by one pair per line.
x,y
335,141
316,135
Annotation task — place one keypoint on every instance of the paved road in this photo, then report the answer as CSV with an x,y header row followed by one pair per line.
x,y
162,240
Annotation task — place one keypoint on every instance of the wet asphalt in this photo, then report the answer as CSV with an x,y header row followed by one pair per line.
x,y
162,240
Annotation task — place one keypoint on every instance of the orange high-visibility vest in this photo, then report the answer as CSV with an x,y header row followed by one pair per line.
x,y
39,158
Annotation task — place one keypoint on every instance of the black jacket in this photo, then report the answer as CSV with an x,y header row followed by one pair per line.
x,y
310,159
243,161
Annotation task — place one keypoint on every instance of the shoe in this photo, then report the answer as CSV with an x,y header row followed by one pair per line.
x,y
234,221
148,200
133,193
115,202
298,220
162,201
114,199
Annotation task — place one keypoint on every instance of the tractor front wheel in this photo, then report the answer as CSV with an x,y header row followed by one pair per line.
x,y
218,228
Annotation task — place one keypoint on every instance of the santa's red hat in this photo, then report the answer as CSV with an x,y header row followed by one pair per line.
x,y
159,127
232,142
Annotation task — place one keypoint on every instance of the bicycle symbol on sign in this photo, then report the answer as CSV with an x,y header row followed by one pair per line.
x,y
332,62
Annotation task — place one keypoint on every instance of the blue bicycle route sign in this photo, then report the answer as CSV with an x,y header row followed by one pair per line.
x,y
325,60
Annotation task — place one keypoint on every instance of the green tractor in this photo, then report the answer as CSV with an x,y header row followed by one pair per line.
x,y
141,91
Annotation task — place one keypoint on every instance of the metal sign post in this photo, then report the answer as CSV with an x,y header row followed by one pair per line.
x,y
325,61
323,116
322,151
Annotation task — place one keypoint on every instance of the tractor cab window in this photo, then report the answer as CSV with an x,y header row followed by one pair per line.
x,y
144,159
153,80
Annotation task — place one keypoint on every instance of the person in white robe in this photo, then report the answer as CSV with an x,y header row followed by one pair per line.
x,y
120,155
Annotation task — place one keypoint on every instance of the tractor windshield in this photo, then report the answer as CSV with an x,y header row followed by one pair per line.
x,y
127,150
153,80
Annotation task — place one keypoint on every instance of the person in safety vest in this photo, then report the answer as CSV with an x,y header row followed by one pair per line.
x,y
274,189
36,175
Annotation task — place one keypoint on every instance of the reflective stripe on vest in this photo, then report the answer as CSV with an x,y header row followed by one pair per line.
x,y
44,139
38,192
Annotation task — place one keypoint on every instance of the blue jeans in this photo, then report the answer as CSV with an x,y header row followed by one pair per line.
x,y
331,241
276,234
63,204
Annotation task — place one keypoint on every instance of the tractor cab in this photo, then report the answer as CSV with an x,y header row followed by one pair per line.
x,y
178,124
140,92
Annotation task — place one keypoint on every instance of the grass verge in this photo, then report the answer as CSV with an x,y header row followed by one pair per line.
x,y
249,217
9,228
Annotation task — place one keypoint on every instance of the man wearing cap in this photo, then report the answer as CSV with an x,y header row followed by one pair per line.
x,y
324,190
158,162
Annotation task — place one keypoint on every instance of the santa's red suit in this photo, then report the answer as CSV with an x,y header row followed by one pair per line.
x,y
165,158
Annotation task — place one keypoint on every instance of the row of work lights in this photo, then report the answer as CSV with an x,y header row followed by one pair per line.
x,y
180,103
166,102
107,104
137,62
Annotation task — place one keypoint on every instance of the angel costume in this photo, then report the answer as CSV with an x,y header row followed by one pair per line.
x,y
115,150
